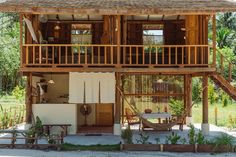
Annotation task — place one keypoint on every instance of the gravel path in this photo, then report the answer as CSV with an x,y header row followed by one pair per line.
x,y
37,153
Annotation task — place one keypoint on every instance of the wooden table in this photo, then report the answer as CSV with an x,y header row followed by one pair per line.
x,y
159,116
48,127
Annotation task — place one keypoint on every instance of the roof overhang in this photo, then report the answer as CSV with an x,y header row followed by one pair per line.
x,y
118,7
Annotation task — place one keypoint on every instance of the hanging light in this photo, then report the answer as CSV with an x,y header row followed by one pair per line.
x,y
159,81
57,27
51,81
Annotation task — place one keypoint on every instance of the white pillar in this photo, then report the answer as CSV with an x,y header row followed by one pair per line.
x,y
205,128
117,129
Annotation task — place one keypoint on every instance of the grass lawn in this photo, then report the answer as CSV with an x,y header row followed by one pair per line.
x,y
223,113
8,101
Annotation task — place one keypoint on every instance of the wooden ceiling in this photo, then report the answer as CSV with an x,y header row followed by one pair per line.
x,y
77,17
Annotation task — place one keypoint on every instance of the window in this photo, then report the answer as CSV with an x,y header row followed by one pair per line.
x,y
153,34
81,34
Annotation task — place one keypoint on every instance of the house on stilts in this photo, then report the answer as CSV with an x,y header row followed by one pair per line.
x,y
86,61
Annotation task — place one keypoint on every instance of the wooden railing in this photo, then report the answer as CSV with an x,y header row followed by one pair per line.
x,y
114,55
225,66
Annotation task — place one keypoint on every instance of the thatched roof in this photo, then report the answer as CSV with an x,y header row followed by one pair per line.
x,y
135,7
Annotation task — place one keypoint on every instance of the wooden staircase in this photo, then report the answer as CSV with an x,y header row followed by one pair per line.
x,y
224,84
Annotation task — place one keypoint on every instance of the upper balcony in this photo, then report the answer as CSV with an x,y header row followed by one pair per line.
x,y
117,43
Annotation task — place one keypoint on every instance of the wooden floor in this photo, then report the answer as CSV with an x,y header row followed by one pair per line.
x,y
95,130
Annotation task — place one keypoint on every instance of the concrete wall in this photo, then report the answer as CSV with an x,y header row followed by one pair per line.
x,y
57,114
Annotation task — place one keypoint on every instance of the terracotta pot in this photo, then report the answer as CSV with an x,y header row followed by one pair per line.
x,y
141,147
148,110
212,148
178,148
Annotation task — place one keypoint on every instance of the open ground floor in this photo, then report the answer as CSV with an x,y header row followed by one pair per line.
x,y
101,103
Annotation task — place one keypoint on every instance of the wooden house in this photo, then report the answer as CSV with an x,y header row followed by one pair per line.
x,y
78,55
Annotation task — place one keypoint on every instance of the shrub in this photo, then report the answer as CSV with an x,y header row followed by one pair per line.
x,y
19,93
127,135
143,138
231,122
173,138
223,139
176,106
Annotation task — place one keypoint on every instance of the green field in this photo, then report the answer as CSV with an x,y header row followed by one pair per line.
x,y
223,113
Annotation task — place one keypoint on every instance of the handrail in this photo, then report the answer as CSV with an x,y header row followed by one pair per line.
x,y
116,55
221,66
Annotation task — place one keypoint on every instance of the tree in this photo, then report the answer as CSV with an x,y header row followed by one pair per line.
x,y
9,51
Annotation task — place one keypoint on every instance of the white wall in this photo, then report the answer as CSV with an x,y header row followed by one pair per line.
x,y
76,87
57,114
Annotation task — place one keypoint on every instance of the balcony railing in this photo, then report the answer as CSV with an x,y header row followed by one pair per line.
x,y
68,55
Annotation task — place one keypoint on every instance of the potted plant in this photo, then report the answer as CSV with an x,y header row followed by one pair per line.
x,y
222,143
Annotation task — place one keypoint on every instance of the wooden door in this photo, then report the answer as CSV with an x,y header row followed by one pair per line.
x,y
104,114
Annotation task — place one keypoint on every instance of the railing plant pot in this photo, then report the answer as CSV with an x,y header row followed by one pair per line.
x,y
178,148
212,148
141,147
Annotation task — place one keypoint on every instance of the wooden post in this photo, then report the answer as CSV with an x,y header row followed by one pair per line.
x,y
117,126
118,29
188,97
214,39
28,99
21,39
205,125
118,102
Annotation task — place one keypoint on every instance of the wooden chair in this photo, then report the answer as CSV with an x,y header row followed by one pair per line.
x,y
132,119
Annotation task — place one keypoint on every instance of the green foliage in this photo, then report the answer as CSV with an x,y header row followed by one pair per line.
x,y
176,106
157,140
10,51
223,139
127,135
191,135
35,131
173,138
19,93
196,138
143,138
196,89
98,147
231,122
225,100
212,95
200,138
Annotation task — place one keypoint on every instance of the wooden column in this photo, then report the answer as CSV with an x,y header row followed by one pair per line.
x,y
118,100
188,93
28,98
21,39
214,39
205,99
118,32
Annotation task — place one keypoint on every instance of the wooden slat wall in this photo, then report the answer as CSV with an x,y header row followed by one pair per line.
x,y
197,33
